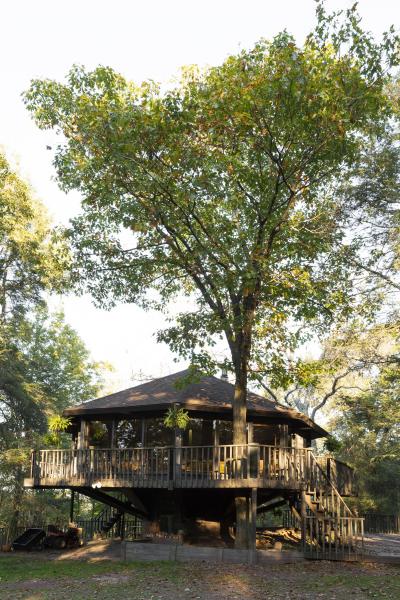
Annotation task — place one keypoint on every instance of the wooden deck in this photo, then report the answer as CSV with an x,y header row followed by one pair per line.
x,y
233,466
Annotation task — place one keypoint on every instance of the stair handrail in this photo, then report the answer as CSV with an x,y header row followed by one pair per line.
x,y
325,475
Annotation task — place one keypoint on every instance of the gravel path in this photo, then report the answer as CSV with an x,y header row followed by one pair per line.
x,y
382,544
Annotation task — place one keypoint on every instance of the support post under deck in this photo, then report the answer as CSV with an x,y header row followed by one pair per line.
x,y
71,507
253,520
303,514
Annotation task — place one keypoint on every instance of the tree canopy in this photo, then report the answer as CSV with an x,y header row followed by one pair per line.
x,y
348,358
222,186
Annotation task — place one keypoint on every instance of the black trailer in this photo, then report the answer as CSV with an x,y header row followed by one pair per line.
x,y
31,539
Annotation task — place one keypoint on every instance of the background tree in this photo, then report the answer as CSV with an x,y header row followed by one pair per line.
x,y
223,189
44,365
32,259
371,195
367,429
348,360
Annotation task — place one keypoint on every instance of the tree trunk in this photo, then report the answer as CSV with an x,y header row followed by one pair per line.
x,y
240,346
240,409
241,537
240,438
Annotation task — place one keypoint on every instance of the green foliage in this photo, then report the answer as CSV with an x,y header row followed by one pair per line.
x,y
225,189
367,428
59,360
58,423
176,417
15,456
33,258
98,432
44,365
332,445
349,355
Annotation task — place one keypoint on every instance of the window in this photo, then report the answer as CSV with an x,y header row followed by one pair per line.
x,y
265,434
129,433
225,432
99,434
199,432
157,434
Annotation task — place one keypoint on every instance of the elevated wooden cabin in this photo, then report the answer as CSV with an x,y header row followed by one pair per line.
x,y
173,477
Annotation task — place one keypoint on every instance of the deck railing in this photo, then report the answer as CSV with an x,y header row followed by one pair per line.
x,y
340,474
334,538
187,466
248,461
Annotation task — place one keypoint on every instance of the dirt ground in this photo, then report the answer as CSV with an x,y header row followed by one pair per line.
x,y
92,551
311,580
95,572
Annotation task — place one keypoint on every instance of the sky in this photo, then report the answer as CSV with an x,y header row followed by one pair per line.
x,y
141,40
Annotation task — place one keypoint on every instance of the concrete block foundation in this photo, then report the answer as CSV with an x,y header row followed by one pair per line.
x,y
143,551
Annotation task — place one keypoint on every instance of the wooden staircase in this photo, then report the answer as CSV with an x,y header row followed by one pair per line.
x,y
330,530
113,519
106,524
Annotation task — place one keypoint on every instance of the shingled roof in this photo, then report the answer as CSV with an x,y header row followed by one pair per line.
x,y
209,395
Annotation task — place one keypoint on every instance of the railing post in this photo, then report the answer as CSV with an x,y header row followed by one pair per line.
x,y
35,467
303,514
171,468
216,452
253,536
254,460
178,454
91,475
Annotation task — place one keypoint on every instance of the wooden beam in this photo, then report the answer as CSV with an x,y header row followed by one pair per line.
x,y
136,501
274,504
113,433
178,453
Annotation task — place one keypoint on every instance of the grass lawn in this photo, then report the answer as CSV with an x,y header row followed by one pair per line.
x,y
25,577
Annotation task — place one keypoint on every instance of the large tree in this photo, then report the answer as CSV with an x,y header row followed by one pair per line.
x,y
32,262
44,365
222,188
